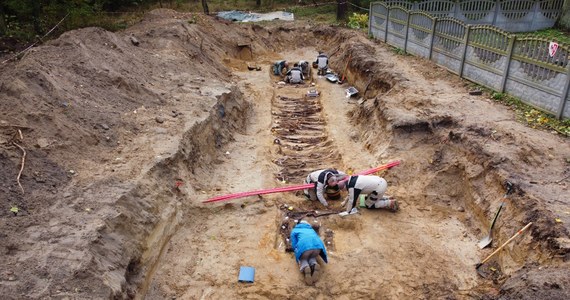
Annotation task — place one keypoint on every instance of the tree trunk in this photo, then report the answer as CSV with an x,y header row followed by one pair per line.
x,y
205,6
2,21
258,3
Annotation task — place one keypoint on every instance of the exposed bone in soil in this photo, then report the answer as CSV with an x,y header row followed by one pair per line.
x,y
124,143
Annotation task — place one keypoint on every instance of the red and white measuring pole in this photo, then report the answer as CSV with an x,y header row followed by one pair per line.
x,y
291,188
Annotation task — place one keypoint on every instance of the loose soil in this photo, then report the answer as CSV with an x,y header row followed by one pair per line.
x,y
124,141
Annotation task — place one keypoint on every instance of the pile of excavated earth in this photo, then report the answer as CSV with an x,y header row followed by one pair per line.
x,y
110,143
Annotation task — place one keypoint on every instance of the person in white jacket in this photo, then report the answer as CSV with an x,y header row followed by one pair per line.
x,y
372,186
321,180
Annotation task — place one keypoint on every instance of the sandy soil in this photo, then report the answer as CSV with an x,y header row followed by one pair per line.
x,y
123,143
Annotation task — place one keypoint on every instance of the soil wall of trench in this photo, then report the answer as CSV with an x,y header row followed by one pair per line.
x,y
140,216
116,133
469,173
149,213
467,176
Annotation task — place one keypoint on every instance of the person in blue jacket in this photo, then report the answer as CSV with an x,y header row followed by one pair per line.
x,y
278,67
308,246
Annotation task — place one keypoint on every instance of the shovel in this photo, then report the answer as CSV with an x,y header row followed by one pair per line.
x,y
477,266
486,241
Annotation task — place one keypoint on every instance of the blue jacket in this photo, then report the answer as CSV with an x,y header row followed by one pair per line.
x,y
303,238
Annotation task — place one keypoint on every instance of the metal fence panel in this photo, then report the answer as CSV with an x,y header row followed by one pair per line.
x,y
477,12
397,21
527,68
517,15
509,15
378,20
536,77
401,3
449,43
486,58
546,12
420,34
440,9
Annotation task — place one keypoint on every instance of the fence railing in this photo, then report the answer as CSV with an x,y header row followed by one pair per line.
x,y
509,15
533,69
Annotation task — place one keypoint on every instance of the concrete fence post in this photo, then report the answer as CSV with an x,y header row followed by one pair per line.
x,y
407,33
370,13
497,5
456,10
564,96
464,54
432,37
509,56
387,21
535,14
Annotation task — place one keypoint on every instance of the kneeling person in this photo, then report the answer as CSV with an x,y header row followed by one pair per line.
x,y
374,187
279,66
295,75
322,180
308,246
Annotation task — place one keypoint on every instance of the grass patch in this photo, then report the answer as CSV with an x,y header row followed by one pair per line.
x,y
531,116
322,13
400,51
550,34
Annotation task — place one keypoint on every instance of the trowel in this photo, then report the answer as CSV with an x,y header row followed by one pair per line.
x,y
486,241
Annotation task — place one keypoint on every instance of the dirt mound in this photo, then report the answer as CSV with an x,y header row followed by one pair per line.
x,y
545,283
95,113
126,133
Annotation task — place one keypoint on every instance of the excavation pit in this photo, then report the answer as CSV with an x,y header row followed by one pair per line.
x,y
125,143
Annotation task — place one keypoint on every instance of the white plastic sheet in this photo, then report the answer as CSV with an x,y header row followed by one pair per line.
x,y
242,16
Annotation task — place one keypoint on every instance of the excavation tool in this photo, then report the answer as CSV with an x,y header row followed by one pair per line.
x,y
292,188
332,77
345,69
486,241
499,249
296,215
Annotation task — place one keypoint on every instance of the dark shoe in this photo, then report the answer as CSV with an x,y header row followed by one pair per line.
x,y
394,207
316,272
308,279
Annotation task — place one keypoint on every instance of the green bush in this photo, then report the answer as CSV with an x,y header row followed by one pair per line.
x,y
358,21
